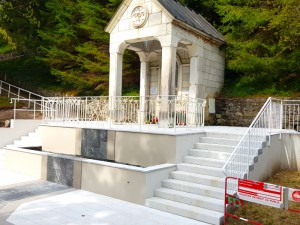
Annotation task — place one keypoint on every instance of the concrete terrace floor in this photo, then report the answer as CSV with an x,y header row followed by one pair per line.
x,y
27,201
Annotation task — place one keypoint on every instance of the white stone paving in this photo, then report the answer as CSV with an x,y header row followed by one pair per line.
x,y
84,208
8,178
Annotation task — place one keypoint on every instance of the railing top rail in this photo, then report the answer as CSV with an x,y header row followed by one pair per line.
x,y
31,93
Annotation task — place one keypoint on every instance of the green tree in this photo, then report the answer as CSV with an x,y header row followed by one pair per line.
x,y
19,21
74,43
206,8
263,41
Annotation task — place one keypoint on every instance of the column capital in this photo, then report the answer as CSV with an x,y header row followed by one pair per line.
x,y
168,41
195,50
118,48
144,56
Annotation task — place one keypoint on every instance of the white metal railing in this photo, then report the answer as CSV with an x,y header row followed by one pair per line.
x,y
18,93
290,115
150,111
274,116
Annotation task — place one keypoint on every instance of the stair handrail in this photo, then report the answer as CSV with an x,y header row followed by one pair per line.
x,y
18,94
241,149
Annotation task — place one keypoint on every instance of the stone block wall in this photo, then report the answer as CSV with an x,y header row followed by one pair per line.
x,y
236,111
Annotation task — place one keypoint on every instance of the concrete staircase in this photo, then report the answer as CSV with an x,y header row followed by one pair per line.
x,y
196,189
31,140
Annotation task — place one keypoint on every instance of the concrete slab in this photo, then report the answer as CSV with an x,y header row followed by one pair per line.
x,y
26,201
85,208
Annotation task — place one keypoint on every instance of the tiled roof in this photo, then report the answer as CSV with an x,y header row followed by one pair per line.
x,y
189,17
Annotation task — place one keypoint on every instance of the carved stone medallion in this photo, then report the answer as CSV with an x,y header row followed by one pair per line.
x,y
139,16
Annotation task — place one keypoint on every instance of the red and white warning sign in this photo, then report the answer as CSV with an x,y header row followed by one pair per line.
x,y
294,195
261,193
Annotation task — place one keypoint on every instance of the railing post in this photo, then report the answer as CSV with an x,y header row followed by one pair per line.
x,y
141,114
85,109
15,108
248,155
34,107
8,90
270,121
29,96
18,94
43,108
175,114
0,87
63,114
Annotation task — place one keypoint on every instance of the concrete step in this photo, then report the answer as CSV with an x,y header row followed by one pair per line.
x,y
224,135
221,141
209,154
25,138
198,178
214,147
204,161
190,199
196,213
193,188
206,170
26,143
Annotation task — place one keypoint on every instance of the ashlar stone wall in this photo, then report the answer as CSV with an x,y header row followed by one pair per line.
x,y
237,111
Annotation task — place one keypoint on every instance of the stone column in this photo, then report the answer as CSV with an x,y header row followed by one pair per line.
x,y
168,70
115,74
196,75
115,84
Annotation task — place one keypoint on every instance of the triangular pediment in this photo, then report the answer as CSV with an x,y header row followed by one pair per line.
x,y
135,14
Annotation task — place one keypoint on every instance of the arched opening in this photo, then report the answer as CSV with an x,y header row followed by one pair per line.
x,y
182,78
131,73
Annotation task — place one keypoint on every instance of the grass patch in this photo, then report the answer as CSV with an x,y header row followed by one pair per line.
x,y
5,103
269,215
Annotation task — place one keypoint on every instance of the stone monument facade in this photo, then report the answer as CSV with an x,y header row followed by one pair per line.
x,y
179,50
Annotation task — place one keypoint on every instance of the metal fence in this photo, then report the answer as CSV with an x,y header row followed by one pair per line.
x,y
290,114
143,112
274,116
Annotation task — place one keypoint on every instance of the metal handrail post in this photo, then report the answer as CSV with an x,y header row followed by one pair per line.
x,y
0,87
29,96
34,107
8,90
175,114
85,110
141,102
281,118
15,108
270,121
249,146
18,94
63,115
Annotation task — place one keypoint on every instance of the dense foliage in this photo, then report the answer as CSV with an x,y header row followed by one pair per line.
x,y
67,36
263,44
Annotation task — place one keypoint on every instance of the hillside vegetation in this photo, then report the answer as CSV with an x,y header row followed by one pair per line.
x,y
67,48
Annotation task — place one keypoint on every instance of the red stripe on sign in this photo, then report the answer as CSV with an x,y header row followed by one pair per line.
x,y
257,188
260,194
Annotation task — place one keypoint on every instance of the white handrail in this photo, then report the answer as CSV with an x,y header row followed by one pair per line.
x,y
274,115
17,92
